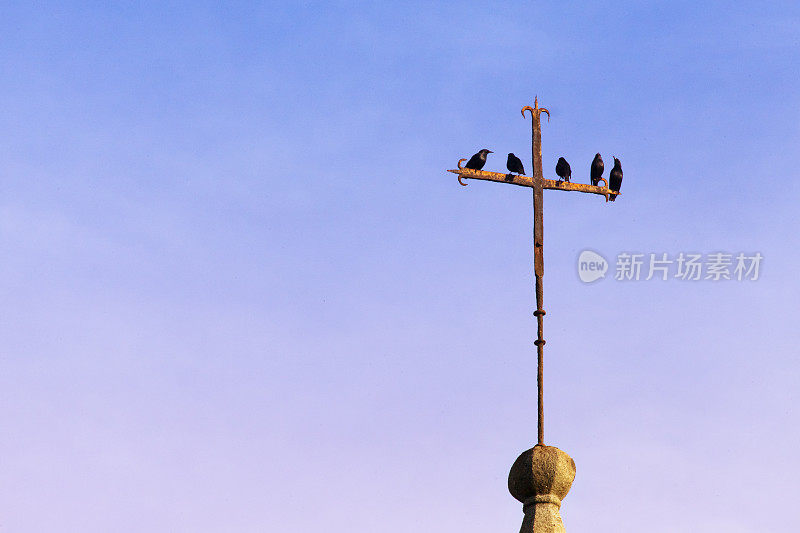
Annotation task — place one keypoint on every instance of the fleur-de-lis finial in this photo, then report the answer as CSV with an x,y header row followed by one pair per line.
x,y
536,109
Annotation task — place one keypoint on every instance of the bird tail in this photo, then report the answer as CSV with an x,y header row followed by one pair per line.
x,y
612,197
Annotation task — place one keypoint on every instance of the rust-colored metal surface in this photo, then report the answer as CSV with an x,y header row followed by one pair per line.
x,y
527,181
538,253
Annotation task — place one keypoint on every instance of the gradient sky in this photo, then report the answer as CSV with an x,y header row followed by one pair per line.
x,y
240,293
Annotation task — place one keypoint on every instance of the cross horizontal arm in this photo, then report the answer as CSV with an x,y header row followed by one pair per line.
x,y
527,181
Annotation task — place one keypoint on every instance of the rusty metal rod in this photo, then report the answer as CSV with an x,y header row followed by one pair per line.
x,y
527,181
538,255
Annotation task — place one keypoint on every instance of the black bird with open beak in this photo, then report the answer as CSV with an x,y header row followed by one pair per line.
x,y
477,161
514,164
562,170
615,179
596,171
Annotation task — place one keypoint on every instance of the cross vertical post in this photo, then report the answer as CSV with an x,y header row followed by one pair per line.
x,y
538,252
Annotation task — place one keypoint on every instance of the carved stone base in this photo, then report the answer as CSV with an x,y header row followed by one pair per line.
x,y
540,478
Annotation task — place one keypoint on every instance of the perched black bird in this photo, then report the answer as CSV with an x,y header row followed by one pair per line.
x,y
514,164
615,179
562,169
477,161
597,169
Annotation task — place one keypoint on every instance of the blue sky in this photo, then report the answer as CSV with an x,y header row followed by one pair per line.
x,y
241,293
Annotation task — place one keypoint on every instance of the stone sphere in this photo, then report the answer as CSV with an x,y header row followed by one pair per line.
x,y
541,474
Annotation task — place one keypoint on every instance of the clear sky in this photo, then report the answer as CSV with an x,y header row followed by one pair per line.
x,y
240,293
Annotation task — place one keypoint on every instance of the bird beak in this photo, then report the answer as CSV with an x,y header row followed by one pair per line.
x,y
489,151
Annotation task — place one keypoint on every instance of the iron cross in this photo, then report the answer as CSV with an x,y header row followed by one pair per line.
x,y
538,183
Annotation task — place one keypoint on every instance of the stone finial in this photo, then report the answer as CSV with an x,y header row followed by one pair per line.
x,y
540,478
